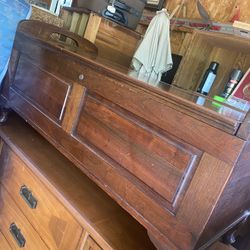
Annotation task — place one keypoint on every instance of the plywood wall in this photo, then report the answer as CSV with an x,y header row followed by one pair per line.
x,y
45,16
219,10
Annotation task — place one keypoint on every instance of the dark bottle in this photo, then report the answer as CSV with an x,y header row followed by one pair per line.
x,y
208,78
234,79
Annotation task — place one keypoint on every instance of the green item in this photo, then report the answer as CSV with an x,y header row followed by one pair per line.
x,y
218,99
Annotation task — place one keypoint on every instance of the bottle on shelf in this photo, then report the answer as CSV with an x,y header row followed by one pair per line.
x,y
234,79
208,79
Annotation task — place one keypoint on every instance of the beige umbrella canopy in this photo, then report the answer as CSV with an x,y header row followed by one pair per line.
x,y
153,56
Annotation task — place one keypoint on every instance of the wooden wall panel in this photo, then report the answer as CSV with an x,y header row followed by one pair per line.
x,y
220,11
161,162
245,14
45,16
206,47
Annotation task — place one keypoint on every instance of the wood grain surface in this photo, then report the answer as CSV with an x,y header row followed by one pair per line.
x,y
55,224
4,243
144,145
9,214
221,11
108,224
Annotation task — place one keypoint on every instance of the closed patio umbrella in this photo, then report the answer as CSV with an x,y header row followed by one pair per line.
x,y
153,56
11,12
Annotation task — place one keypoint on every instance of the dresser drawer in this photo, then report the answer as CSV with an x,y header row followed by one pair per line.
x,y
16,228
3,242
47,215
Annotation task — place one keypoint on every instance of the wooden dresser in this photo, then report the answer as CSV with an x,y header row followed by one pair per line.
x,y
47,203
180,169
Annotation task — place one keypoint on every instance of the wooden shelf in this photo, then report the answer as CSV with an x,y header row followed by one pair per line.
x,y
225,41
228,50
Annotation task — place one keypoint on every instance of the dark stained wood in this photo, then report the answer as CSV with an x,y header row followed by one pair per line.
x,y
52,34
115,183
157,110
154,108
161,162
234,195
71,111
170,163
105,221
244,130
60,63
208,183
46,92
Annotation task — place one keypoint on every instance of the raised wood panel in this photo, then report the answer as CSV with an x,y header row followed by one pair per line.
x,y
109,178
161,162
236,191
46,92
9,213
162,224
53,222
163,113
152,107
206,186
57,65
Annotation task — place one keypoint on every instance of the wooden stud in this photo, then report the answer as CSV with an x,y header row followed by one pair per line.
x,y
92,27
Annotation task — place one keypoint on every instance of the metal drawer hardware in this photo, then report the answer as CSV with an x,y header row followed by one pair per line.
x,y
81,77
16,233
28,197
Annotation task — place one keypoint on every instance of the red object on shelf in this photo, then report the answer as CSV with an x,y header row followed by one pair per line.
x,y
243,89
236,14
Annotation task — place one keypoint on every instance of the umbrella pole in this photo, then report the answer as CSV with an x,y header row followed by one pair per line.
x,y
177,11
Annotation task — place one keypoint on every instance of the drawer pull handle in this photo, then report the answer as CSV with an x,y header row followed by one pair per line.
x,y
81,77
16,233
28,197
